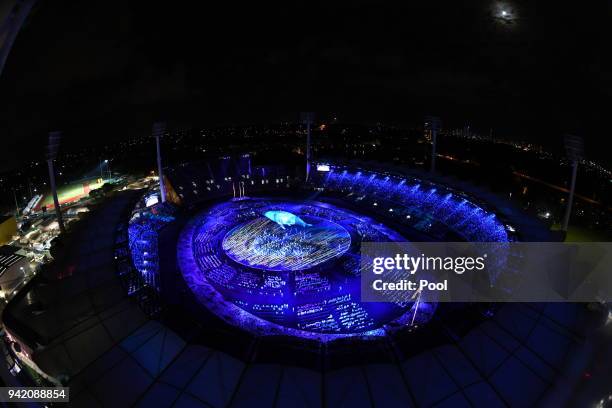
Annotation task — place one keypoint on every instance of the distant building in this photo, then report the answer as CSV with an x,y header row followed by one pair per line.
x,y
8,228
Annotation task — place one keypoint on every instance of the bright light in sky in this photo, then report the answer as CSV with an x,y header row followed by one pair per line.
x,y
504,11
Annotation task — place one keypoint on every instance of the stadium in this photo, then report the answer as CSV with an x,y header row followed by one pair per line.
x,y
289,264
243,287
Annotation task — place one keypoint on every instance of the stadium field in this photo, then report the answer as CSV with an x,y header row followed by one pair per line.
x,y
69,193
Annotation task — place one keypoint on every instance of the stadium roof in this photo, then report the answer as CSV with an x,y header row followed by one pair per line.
x,y
8,257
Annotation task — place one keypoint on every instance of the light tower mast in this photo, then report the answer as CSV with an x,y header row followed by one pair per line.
x,y
158,130
52,148
307,118
433,124
574,147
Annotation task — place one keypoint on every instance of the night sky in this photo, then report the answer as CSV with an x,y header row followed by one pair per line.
x,y
106,69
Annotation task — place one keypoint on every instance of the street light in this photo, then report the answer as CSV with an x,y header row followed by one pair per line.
x,y
102,163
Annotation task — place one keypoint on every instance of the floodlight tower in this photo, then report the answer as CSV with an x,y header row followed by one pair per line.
x,y
433,124
307,118
574,147
16,204
52,148
158,130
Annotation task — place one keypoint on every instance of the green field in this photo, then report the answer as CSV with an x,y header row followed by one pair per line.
x,y
69,193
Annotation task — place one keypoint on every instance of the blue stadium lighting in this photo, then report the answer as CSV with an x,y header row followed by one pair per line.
x,y
297,280
283,267
143,244
445,210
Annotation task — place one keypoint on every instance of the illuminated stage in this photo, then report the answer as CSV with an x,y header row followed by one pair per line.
x,y
286,267
264,244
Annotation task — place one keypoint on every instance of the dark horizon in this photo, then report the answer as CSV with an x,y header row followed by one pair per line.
x,y
108,70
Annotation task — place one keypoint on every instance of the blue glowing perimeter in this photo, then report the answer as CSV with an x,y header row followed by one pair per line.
x,y
300,280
